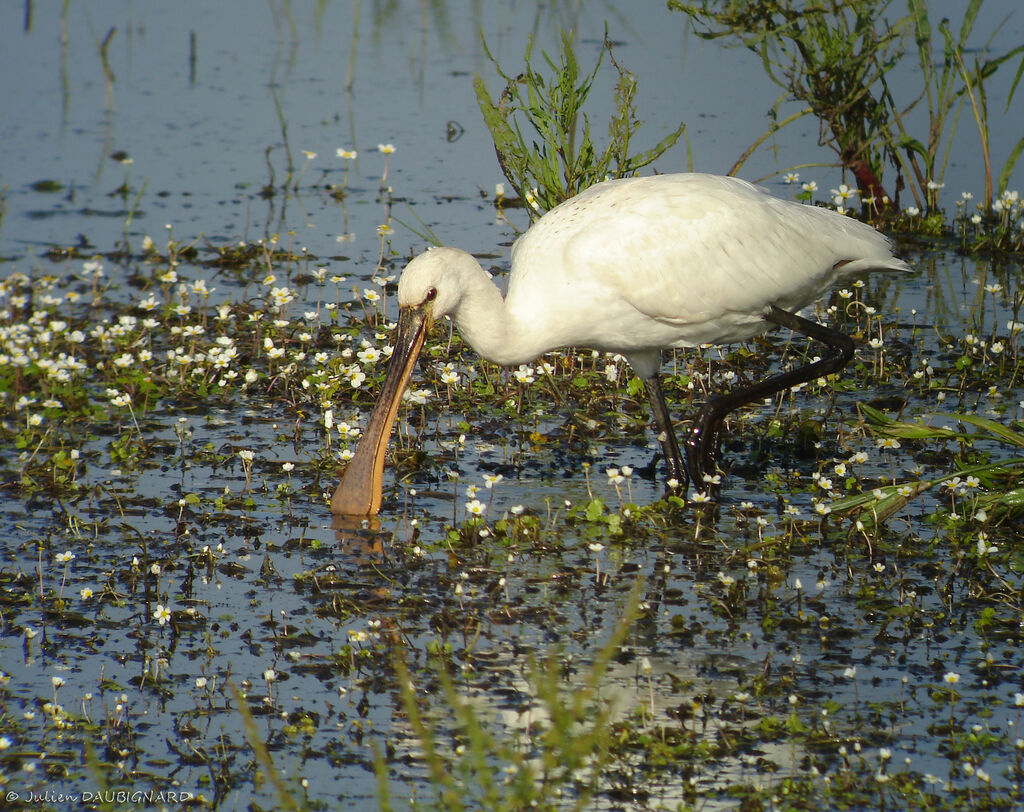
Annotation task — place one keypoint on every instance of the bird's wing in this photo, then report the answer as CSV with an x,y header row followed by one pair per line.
x,y
712,251
679,260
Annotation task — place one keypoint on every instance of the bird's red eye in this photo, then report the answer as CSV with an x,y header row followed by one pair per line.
x,y
430,295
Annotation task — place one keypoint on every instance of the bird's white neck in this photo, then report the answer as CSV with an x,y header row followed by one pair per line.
x,y
484,321
454,284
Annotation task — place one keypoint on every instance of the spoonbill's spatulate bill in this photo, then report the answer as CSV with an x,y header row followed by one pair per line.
x,y
634,266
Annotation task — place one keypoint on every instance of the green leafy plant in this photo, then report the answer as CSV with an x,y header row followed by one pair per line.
x,y
834,56
543,138
829,55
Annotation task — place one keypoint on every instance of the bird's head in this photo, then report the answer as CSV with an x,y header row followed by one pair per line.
x,y
432,282
428,289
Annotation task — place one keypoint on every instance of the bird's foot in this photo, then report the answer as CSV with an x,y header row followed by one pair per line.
x,y
678,481
701,456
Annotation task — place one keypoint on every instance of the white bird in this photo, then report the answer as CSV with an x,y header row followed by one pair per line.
x,y
634,266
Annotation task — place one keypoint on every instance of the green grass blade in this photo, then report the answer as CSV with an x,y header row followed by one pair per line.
x,y
997,430
1014,83
903,430
967,24
1004,175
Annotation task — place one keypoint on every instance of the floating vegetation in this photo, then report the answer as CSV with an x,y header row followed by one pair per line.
x,y
171,439
530,624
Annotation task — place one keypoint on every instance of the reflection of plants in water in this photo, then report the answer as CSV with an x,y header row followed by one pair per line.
x,y
543,138
833,56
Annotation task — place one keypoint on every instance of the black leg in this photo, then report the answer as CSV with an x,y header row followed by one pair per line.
x,y
673,459
703,438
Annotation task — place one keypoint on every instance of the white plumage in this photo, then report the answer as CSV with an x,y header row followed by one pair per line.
x,y
632,266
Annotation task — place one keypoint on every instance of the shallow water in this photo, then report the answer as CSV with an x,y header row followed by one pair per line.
x,y
256,574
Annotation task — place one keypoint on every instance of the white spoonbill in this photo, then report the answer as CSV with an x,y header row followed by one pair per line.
x,y
633,266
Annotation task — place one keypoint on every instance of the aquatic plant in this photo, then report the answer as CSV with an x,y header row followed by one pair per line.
x,y
833,56
555,753
542,136
173,408
942,94
995,487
